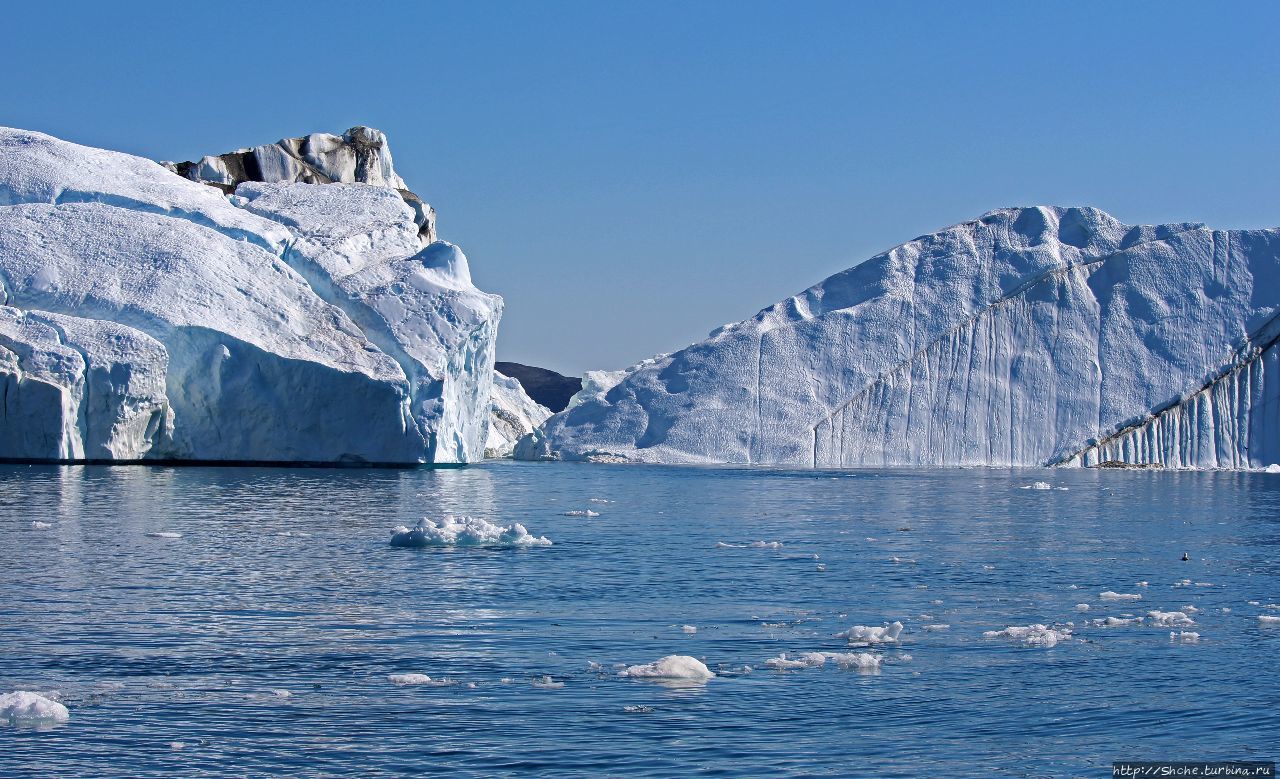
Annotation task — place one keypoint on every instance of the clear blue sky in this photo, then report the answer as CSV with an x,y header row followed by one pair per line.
x,y
629,176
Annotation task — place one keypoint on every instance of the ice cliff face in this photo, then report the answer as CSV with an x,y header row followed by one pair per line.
x,y
1026,337
514,416
149,316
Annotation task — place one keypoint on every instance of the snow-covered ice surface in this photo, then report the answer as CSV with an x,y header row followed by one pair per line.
x,y
147,316
1026,337
283,579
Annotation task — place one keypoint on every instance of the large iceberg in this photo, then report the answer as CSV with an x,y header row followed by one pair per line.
x,y
300,310
1029,336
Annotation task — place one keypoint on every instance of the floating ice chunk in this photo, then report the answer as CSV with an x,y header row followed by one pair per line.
x,y
1183,583
1039,485
1109,595
1082,607
766,544
23,706
547,683
862,661
670,667
1190,609
465,531
820,567
586,513
1255,603
688,629
164,534
1142,584
1185,636
806,660
598,500
177,745
406,679
935,628
1031,635
1112,622
861,634
282,693
1267,619
637,709
1272,468
1170,619
40,525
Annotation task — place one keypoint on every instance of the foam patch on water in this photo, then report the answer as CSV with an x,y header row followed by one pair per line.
x,y
862,634
465,531
25,707
679,667
1170,619
1109,595
1031,635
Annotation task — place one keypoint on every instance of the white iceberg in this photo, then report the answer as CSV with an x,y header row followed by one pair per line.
x,y
148,316
1079,339
464,531
513,415
25,707
673,667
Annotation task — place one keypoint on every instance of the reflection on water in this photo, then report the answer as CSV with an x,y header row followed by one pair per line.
x,y
260,639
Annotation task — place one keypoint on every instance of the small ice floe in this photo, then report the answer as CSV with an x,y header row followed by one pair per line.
x,y
1272,468
1170,619
902,560
1184,636
1268,619
408,679
164,534
23,707
862,634
598,500
581,513
1031,635
282,693
293,534
1142,584
177,746
1182,583
1082,607
936,628
1109,595
40,525
862,661
637,709
1039,485
820,567
547,683
805,660
671,667
1115,622
1256,603
1190,609
688,629
752,545
465,531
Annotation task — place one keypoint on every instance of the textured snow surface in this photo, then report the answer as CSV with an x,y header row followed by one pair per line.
x,y
149,316
1029,336
24,707
464,531
670,667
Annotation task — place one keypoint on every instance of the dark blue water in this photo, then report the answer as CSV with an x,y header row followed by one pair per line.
x,y
172,653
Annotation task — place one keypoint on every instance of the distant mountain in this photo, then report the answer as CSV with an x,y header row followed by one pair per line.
x,y
1026,337
547,387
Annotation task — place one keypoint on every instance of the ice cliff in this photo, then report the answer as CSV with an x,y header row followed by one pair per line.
x,y
1029,336
299,310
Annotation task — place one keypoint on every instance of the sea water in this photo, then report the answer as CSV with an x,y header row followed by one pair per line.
x,y
254,622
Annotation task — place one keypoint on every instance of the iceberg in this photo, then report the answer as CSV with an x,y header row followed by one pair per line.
x,y
671,667
513,415
24,707
464,531
288,303
1026,337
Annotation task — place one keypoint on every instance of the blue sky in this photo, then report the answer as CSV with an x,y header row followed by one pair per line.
x,y
630,176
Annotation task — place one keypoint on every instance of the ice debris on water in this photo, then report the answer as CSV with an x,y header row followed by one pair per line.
x,y
637,709
862,634
1112,622
598,500
1109,595
864,661
1082,607
1169,619
936,628
580,513
1031,635
40,525
670,667
1267,619
1185,636
688,629
407,679
23,706
465,531
752,545
547,683
1039,485
164,534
